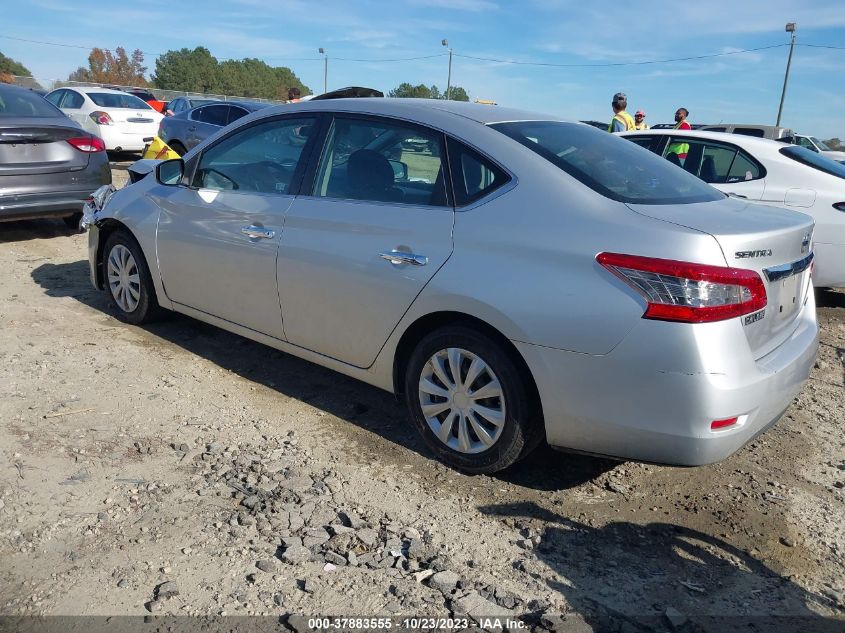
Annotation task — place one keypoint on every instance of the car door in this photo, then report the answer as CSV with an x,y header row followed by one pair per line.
x,y
73,106
723,165
374,230
204,122
219,233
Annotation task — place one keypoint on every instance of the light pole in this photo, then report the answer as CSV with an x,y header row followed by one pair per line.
x,y
322,52
790,28
449,77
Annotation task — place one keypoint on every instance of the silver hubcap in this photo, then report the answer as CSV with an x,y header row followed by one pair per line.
x,y
462,400
124,279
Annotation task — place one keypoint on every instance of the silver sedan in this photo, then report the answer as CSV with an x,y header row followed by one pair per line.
x,y
515,278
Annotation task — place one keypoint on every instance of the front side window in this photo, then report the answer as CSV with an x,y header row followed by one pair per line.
x,y
821,144
260,159
473,175
642,141
118,100
382,161
609,165
55,97
814,160
714,163
803,141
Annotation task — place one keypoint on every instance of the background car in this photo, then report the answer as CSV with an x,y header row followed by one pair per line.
x,y
145,95
548,281
49,165
185,130
772,132
122,120
181,104
816,145
772,173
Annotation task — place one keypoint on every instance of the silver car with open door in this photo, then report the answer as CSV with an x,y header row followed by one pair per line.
x,y
515,278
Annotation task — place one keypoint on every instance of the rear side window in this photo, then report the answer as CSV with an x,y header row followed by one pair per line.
x,y
473,176
714,163
23,103
750,131
642,141
236,113
609,165
117,100
814,160
73,100
214,115
55,97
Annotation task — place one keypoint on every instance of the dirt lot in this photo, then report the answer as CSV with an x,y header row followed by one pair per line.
x,y
255,483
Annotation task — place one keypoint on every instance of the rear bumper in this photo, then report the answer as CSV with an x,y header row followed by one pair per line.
x,y
125,137
42,205
654,396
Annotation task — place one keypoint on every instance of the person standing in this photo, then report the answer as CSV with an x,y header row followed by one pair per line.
x,y
639,120
294,95
621,121
679,149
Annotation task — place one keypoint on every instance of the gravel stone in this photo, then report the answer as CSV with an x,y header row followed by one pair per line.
x,y
444,581
296,554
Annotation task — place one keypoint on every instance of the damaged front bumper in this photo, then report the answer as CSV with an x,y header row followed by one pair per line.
x,y
94,204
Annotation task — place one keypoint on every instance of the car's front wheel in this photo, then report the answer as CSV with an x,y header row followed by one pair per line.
x,y
127,279
470,401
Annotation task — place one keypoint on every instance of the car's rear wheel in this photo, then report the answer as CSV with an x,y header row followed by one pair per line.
x,y
177,147
72,221
127,279
470,401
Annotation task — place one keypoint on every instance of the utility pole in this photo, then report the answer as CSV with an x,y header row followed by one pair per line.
x,y
449,77
790,28
322,51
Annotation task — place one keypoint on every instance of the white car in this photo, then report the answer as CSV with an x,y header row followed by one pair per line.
x,y
122,120
770,172
815,145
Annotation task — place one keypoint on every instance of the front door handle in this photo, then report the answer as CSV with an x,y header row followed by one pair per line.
x,y
255,232
400,257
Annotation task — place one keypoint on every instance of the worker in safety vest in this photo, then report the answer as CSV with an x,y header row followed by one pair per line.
x,y
680,150
639,120
621,121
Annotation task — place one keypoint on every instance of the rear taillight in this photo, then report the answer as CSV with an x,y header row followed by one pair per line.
x,y
839,206
101,118
686,292
88,144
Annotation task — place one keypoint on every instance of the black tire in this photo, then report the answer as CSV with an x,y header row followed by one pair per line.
x,y
177,147
147,308
522,430
72,221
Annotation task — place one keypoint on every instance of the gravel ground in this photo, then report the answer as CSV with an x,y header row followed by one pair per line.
x,y
180,469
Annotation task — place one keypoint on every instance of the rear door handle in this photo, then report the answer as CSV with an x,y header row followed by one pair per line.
x,y
256,232
400,257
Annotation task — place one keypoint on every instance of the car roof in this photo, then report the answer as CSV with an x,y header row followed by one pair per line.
x,y
413,108
727,137
89,89
252,106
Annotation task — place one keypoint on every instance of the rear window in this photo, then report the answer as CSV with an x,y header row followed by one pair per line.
x,y
611,166
814,160
116,100
23,103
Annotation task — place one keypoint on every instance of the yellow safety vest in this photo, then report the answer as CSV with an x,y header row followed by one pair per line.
x,y
641,126
626,119
678,148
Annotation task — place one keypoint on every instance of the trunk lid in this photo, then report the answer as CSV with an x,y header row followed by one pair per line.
x,y
131,115
775,243
39,146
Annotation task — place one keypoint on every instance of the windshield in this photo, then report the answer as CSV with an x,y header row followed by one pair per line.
x,y
117,100
610,165
23,103
814,160
821,144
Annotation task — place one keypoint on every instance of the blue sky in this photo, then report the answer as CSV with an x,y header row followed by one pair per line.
x,y
736,88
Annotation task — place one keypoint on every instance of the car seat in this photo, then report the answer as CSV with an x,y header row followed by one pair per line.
x,y
708,170
370,177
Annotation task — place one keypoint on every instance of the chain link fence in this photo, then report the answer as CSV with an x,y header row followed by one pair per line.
x,y
36,83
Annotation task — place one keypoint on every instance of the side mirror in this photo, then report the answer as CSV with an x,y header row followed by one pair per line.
x,y
400,170
169,172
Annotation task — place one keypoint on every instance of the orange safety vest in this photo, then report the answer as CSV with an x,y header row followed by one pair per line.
x,y
626,119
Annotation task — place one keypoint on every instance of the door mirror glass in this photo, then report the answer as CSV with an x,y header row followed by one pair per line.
x,y
400,170
170,172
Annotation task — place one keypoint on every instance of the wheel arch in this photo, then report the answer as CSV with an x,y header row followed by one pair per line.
x,y
428,323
